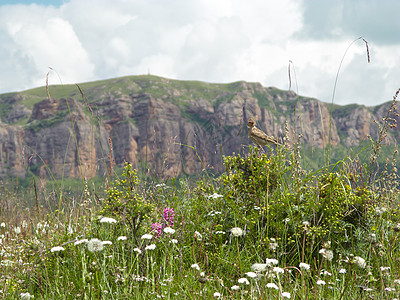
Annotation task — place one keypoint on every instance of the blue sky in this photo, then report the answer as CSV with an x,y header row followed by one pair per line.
x,y
215,41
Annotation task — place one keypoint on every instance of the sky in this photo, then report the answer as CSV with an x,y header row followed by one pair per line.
x,y
214,41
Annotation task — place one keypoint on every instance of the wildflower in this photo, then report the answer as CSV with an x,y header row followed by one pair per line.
x,y
397,281
3,225
278,270
24,224
215,196
95,245
78,242
389,289
107,220
324,272
385,269
342,271
235,288
251,274
160,185
156,229
26,296
273,245
285,295
174,241
359,261
150,247
321,282
169,216
368,290
258,267
396,227
195,266
198,235
220,232
137,250
271,261
236,231
243,280
256,207
380,210
122,238
169,230
306,223
17,230
304,266
57,249
147,236
106,242
217,295
272,285
327,254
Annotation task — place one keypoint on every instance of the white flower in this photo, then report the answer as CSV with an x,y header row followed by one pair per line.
x,y
195,266
220,232
304,266
272,285
174,241
306,223
107,242
278,270
380,210
389,289
286,295
327,254
169,230
271,261
24,224
150,247
147,237
198,235
95,245
160,185
217,295
26,296
258,267
235,288
17,230
122,238
251,274
202,274
137,250
215,196
342,271
243,280
78,242
236,231
57,249
3,224
272,246
324,272
321,282
107,220
359,261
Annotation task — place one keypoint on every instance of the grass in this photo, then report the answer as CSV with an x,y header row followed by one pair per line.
x,y
268,227
264,229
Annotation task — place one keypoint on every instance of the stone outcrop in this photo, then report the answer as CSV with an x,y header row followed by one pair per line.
x,y
171,127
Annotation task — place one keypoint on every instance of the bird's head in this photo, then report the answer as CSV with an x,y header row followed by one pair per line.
x,y
250,123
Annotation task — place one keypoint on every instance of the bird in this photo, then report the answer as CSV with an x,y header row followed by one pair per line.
x,y
259,137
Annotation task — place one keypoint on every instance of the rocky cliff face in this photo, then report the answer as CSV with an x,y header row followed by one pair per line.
x,y
173,126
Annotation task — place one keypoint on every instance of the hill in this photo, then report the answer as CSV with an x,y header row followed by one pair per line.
x,y
173,127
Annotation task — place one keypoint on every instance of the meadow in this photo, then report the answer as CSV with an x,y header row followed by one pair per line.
x,y
266,228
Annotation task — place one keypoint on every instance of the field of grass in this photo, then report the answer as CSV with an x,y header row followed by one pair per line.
x,y
267,228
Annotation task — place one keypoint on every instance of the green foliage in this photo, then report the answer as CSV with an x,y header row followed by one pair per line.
x,y
124,201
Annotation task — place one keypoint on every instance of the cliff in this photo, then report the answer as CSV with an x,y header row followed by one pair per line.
x,y
167,124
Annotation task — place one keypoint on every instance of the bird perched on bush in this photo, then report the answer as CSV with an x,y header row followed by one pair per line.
x,y
259,137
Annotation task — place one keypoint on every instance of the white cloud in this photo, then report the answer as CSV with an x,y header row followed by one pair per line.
x,y
216,41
